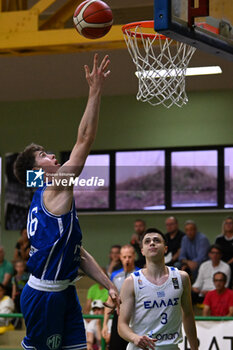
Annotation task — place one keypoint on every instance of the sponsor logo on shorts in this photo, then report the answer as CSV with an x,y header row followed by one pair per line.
x,y
165,336
54,341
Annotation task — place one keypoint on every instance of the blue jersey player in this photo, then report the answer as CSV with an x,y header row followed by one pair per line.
x,y
49,301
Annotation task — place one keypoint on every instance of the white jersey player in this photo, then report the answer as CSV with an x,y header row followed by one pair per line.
x,y
153,300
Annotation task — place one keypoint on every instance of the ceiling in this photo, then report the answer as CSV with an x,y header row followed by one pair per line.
x,y
61,75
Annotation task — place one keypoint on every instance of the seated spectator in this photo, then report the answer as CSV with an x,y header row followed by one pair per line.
x,y
139,229
6,307
225,240
93,328
22,247
194,249
18,282
174,237
219,302
204,281
95,292
114,259
6,271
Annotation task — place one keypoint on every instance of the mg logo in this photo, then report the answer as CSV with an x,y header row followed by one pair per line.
x,y
54,341
35,178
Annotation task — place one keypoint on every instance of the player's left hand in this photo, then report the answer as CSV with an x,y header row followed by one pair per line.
x,y
97,76
116,301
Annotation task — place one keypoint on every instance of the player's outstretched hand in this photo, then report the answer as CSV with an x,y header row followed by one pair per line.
x,y
144,342
116,301
99,73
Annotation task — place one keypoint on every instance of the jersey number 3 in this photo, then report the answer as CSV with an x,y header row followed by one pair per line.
x,y
164,318
33,222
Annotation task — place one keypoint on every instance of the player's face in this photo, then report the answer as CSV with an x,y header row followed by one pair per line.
x,y
139,227
127,258
190,231
46,161
153,245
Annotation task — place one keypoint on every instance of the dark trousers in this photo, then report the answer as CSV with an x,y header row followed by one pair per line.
x,y
116,342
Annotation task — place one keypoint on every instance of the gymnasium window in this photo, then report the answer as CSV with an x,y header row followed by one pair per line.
x,y
194,179
140,180
228,160
160,179
95,175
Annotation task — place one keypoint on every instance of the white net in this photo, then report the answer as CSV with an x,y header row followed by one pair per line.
x,y
161,66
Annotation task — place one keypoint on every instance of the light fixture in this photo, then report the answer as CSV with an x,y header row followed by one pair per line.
x,y
153,74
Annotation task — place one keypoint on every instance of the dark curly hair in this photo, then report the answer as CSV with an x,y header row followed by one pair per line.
x,y
26,161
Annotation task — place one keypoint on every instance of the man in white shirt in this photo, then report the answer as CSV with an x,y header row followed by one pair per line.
x,y
204,281
93,328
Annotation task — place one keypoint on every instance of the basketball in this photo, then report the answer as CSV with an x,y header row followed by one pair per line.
x,y
93,19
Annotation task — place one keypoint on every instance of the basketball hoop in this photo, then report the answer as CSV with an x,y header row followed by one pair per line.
x,y
161,64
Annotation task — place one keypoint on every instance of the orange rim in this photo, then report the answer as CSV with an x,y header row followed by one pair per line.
x,y
143,24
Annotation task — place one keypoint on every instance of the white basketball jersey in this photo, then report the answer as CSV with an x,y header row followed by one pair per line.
x,y
157,311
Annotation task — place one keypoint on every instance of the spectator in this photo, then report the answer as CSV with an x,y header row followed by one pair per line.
x,y
139,229
114,259
225,240
174,237
6,271
194,249
18,282
22,247
204,281
127,257
219,302
93,328
95,292
6,307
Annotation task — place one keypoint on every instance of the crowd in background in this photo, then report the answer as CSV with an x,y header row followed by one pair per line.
x,y
210,268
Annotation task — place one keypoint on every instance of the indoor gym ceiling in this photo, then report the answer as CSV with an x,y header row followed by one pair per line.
x,y
61,75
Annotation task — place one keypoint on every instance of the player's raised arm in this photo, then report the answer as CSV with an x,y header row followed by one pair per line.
x,y
58,198
88,126
126,311
188,316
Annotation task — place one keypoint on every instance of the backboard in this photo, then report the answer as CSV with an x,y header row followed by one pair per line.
x,y
204,24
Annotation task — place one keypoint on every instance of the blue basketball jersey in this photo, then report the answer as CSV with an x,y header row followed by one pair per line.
x,y
55,242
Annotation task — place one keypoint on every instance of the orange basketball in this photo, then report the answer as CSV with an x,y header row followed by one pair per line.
x,y
93,19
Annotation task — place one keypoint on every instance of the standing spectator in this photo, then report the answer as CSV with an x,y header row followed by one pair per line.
x,y
6,271
225,240
114,259
128,261
139,229
6,307
95,292
174,237
194,248
22,247
219,302
204,281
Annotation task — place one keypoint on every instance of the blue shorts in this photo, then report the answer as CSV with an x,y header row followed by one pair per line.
x,y
53,320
